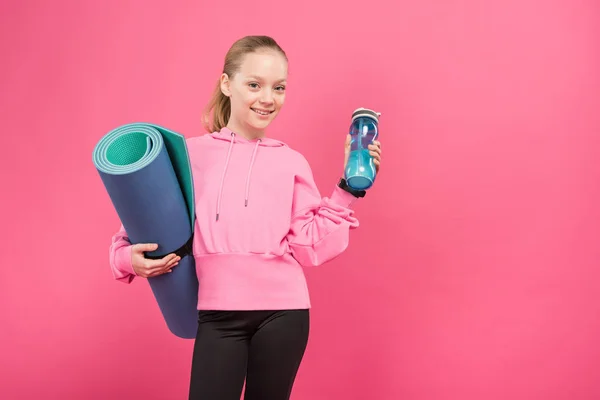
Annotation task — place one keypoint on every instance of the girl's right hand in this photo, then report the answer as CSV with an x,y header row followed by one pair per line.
x,y
147,268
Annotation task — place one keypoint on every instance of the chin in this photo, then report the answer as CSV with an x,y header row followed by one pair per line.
x,y
261,123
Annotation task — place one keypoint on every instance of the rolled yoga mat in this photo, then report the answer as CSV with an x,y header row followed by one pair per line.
x,y
146,171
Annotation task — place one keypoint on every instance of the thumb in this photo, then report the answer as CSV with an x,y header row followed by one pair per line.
x,y
146,246
347,145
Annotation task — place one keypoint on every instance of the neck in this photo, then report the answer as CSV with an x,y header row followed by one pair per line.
x,y
244,131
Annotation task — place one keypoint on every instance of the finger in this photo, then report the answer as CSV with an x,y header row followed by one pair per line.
x,y
173,260
170,269
169,257
152,264
374,148
155,271
172,263
348,140
160,268
374,154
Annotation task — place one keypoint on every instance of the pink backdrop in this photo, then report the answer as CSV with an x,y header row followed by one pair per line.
x,y
475,272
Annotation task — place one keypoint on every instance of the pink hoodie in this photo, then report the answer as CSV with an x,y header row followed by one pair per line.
x,y
259,220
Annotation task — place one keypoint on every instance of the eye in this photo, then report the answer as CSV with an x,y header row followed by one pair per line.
x,y
280,88
253,85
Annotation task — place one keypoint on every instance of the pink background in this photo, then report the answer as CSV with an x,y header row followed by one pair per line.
x,y
475,273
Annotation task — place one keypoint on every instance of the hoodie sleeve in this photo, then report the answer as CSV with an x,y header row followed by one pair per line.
x,y
120,257
320,226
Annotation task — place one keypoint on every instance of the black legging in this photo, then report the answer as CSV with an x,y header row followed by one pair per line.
x,y
263,347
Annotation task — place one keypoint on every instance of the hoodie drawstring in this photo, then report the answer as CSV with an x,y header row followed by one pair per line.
x,y
250,173
225,173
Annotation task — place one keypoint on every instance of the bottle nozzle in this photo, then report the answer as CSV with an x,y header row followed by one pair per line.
x,y
361,112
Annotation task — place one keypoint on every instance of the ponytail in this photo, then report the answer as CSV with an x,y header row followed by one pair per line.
x,y
217,112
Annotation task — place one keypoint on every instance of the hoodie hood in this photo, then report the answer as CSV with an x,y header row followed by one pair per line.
x,y
228,135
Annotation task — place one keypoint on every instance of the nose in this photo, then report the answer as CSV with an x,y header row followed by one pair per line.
x,y
267,97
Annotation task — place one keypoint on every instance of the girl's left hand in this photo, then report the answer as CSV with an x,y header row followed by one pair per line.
x,y
374,151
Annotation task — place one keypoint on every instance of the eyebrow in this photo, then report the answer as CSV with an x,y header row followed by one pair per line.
x,y
260,79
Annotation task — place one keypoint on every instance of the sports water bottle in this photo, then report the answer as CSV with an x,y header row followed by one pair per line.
x,y
360,169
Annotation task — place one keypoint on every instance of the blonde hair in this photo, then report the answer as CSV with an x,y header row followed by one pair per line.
x,y
218,110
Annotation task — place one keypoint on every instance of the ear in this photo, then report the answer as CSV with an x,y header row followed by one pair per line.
x,y
225,85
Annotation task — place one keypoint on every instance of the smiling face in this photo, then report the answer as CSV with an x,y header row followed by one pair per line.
x,y
256,92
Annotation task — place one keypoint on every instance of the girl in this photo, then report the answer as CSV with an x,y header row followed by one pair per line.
x,y
259,220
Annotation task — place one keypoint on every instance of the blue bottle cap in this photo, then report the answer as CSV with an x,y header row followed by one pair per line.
x,y
365,112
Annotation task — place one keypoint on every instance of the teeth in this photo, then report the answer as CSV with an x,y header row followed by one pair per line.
x,y
261,112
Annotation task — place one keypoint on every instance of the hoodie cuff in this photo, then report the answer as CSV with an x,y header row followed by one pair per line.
x,y
342,197
123,260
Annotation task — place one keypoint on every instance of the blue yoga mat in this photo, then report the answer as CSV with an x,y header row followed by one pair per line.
x,y
146,171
